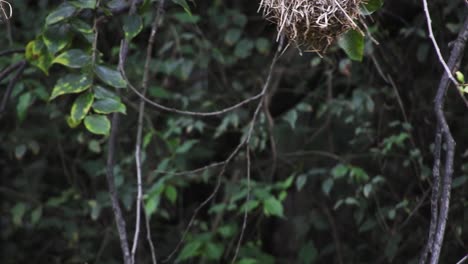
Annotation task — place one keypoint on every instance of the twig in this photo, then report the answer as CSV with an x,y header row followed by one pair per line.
x,y
439,54
233,154
9,69
463,260
148,237
141,112
11,84
11,51
120,221
439,219
183,112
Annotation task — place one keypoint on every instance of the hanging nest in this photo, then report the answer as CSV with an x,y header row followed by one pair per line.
x,y
312,25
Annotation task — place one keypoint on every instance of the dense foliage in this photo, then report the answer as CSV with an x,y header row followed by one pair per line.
x,y
337,168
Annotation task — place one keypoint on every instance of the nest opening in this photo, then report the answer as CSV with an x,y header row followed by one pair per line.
x,y
312,25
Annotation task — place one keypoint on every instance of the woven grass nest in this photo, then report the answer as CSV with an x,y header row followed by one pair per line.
x,y
312,25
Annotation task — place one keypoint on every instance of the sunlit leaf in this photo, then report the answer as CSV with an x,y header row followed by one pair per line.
x,y
71,83
97,124
74,58
37,54
81,106
370,6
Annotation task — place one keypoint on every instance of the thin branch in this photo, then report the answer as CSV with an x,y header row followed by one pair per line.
x,y
439,219
183,112
148,237
141,112
11,51
436,46
21,66
243,143
463,260
9,69
121,225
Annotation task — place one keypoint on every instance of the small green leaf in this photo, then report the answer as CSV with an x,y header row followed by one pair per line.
x,y
74,58
352,42
17,213
22,107
57,37
63,11
243,49
81,106
71,83
263,45
102,93
20,151
370,6
97,124
36,53
94,146
232,36
460,77
36,215
291,118
132,26
339,171
171,193
327,185
90,4
272,206
110,77
184,5
190,250
109,105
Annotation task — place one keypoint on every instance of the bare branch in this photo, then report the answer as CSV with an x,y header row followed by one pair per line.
x,y
439,219
141,112
20,66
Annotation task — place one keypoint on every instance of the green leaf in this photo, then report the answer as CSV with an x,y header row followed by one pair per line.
x,y
192,249
263,45
36,54
339,171
90,4
57,38
36,215
186,146
110,77
97,124
71,83
327,185
272,206
22,107
243,49
232,36
213,251
20,151
460,77
109,105
17,213
81,106
291,118
74,58
132,26
184,5
102,93
370,6
171,193
247,261
352,42
63,11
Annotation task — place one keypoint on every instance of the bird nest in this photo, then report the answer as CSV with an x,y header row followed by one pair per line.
x,y
313,25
